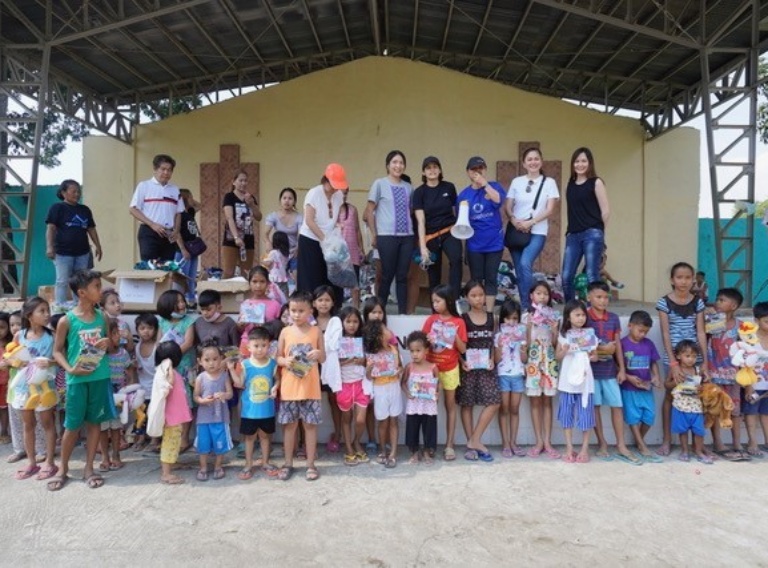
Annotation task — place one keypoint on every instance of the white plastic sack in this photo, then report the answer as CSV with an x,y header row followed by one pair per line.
x,y
341,272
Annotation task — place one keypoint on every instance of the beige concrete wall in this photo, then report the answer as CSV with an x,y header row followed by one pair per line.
x,y
108,175
670,207
357,112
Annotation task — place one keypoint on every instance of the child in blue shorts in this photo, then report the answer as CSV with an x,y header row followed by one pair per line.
x,y
213,389
510,356
642,375
687,411
757,403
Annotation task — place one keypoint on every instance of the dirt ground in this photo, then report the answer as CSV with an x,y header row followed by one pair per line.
x,y
514,512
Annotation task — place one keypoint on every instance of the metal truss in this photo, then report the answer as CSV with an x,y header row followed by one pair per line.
x,y
731,135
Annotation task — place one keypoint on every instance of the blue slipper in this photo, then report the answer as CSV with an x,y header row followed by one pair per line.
x,y
652,459
607,457
631,459
484,456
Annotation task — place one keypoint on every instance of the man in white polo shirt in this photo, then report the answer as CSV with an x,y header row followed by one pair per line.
x,y
157,205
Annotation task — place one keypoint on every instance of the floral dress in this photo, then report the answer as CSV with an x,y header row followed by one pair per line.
x,y
541,371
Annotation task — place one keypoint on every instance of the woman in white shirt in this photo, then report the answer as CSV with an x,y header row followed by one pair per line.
x,y
529,214
321,212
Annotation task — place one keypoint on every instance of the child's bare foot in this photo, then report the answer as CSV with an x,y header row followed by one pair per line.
x,y
664,450
104,466
116,464
429,457
414,459
535,451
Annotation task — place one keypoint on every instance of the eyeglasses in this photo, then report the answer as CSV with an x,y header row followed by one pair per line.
x,y
330,210
530,186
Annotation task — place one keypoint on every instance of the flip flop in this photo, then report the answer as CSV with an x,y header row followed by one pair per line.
x,y
652,458
245,474
312,474
27,472
732,455
553,454
569,458
57,483
47,473
350,459
270,471
756,453
94,481
663,450
449,454
219,473
114,466
381,459
471,455
582,459
519,452
507,453
173,480
391,463
285,473
16,457
535,452
684,457
706,460
362,457
605,456
103,467
631,459
202,475
484,456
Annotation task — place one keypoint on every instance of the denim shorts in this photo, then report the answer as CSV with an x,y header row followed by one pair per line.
x,y
509,383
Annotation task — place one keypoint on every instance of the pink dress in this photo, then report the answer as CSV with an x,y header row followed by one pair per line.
x,y
350,227
176,405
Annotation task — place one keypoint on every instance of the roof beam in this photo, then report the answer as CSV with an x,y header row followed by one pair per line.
x,y
279,31
117,24
239,27
619,23
447,27
726,26
415,25
343,22
373,10
312,25
482,26
512,41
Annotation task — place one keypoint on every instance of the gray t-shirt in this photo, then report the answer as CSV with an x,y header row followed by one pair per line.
x,y
273,220
218,412
225,332
393,207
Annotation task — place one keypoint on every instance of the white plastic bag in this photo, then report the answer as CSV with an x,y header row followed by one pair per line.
x,y
341,272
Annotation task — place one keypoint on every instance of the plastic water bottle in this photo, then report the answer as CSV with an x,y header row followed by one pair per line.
x,y
242,253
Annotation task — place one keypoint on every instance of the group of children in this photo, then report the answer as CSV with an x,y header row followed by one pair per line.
x,y
272,364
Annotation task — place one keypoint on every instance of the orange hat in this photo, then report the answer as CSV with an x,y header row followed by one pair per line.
x,y
337,177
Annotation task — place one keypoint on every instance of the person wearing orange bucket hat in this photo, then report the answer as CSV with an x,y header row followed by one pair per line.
x,y
321,212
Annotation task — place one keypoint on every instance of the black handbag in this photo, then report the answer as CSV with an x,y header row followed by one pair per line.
x,y
196,246
514,239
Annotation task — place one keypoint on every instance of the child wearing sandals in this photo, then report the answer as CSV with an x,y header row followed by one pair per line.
x,y
447,335
260,383
121,373
541,369
510,355
355,391
576,384
212,391
642,376
169,409
421,385
687,411
300,349
383,368
147,328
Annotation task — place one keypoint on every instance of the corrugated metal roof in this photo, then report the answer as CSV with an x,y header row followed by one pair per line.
x,y
619,52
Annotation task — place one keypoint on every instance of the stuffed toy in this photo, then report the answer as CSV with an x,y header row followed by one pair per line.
x,y
16,354
745,354
131,398
717,405
38,381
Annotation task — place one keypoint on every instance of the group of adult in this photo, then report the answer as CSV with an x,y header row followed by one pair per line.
x,y
404,224
409,224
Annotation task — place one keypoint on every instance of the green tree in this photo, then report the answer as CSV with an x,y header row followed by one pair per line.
x,y
762,108
161,109
58,130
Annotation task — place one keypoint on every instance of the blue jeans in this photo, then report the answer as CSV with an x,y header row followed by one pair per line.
x,y
189,269
523,260
589,244
66,266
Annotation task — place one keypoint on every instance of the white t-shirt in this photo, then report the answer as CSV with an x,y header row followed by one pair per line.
x,y
326,220
523,204
160,203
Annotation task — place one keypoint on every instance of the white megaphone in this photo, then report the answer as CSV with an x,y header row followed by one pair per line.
x,y
461,230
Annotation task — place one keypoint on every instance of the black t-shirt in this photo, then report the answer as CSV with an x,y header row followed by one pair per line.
x,y
189,229
243,222
583,208
72,223
438,205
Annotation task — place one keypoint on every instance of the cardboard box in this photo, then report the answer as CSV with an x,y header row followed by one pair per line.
x,y
232,291
140,289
